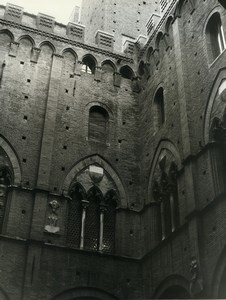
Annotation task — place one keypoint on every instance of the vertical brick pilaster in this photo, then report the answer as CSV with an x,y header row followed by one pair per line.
x,y
49,124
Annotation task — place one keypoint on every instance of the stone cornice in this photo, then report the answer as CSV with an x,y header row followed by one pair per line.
x,y
66,40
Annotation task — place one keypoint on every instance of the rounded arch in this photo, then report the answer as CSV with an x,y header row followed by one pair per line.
x,y
84,293
221,76
47,43
219,274
9,33
13,159
173,283
163,144
100,104
71,51
28,37
95,159
109,63
158,39
126,72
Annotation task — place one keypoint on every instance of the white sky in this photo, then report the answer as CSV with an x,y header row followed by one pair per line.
x,y
60,9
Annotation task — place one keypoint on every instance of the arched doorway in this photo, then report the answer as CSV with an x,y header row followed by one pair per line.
x,y
175,292
173,287
84,294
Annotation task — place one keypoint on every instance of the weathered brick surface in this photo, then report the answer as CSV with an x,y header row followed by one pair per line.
x,y
45,100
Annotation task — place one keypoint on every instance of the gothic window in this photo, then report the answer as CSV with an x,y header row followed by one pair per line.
x,y
126,72
166,193
75,217
159,108
109,222
88,64
215,39
98,124
5,180
222,2
141,69
92,223
91,219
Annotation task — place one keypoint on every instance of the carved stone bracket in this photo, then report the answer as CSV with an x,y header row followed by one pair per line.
x,y
53,218
196,282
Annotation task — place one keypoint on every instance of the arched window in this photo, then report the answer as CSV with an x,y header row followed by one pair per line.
x,y
108,67
141,69
149,53
109,222
98,124
215,39
74,225
166,193
88,64
174,204
92,222
5,180
126,72
159,108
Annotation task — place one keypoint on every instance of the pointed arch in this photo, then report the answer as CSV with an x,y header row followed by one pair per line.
x,y
149,53
111,68
168,24
5,145
74,216
163,144
9,33
127,72
3,295
221,76
27,37
141,68
71,51
179,7
95,159
218,275
47,43
173,281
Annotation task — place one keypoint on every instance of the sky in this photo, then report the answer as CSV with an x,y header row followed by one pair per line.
x,y
60,9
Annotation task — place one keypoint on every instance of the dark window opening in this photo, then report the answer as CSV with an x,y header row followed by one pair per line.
x,y
126,72
88,65
215,37
98,124
159,108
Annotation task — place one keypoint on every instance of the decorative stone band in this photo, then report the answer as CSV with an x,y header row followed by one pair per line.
x,y
66,40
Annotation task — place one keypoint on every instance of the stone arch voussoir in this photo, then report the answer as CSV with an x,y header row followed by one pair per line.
x,y
84,163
